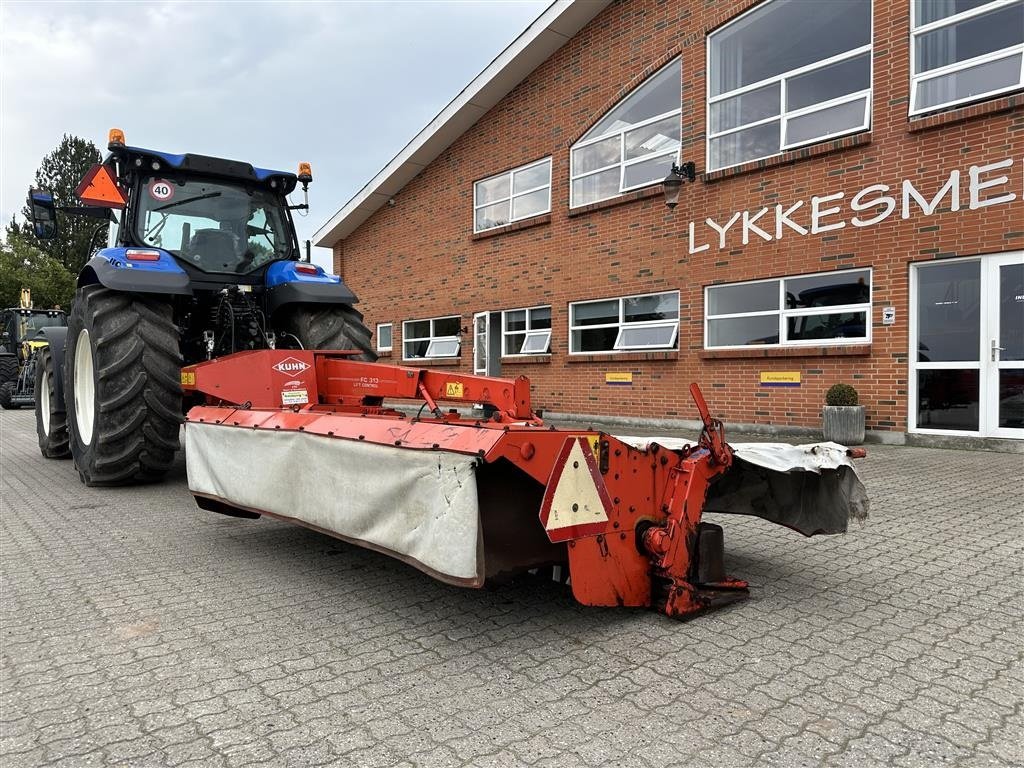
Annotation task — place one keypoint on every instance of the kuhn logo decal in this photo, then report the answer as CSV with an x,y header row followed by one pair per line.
x,y
290,366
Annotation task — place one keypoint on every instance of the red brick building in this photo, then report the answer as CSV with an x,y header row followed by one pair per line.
x,y
857,215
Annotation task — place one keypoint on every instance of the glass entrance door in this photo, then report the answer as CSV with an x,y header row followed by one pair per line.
x,y
1006,346
967,347
481,340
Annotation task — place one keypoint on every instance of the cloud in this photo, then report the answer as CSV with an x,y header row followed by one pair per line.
x,y
343,85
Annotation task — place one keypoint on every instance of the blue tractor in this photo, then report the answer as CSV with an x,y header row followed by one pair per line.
x,y
193,258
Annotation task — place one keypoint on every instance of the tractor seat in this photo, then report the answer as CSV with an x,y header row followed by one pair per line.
x,y
213,249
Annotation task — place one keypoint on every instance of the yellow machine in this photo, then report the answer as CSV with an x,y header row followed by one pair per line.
x,y
20,344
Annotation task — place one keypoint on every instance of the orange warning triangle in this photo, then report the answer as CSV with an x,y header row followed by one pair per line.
x,y
99,188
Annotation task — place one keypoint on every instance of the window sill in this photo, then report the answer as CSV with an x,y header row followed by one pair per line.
x,y
842,350
623,357
611,202
515,226
419,362
967,112
793,156
526,360
382,353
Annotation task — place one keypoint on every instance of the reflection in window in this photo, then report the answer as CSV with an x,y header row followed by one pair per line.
x,y
384,337
629,323
437,337
834,307
526,331
781,76
512,196
963,51
948,312
632,146
947,399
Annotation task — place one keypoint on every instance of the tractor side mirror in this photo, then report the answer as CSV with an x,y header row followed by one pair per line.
x,y
44,214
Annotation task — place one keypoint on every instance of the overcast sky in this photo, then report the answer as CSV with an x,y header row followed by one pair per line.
x,y
343,85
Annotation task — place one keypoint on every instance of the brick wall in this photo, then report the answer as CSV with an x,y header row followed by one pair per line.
x,y
419,258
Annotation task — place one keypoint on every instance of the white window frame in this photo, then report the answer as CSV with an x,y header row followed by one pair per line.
x,y
784,314
390,346
622,164
1003,53
617,347
529,331
512,194
784,115
433,339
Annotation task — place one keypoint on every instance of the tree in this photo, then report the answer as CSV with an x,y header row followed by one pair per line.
x,y
24,265
59,173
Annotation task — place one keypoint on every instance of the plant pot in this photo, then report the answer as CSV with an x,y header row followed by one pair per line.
x,y
843,424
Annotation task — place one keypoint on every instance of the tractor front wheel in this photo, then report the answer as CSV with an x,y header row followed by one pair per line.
x,y
318,326
51,424
122,386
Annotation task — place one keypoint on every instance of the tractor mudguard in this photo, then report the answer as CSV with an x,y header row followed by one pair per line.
x,y
292,282
57,339
112,269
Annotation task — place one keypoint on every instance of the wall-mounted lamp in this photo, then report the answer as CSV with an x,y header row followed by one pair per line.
x,y
674,181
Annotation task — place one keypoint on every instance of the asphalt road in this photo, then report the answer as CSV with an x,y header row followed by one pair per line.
x,y
139,631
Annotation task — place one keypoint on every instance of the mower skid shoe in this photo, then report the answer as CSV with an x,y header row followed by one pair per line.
x,y
684,602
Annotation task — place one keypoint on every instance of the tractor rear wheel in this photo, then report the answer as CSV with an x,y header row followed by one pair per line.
x,y
318,326
8,367
51,425
122,386
7,390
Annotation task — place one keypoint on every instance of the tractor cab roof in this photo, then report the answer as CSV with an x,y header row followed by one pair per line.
x,y
207,166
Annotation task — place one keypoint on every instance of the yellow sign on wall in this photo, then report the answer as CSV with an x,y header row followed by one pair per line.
x,y
780,378
621,378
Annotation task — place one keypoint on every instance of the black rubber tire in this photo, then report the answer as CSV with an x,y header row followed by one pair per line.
x,y
8,367
137,386
53,444
7,390
335,326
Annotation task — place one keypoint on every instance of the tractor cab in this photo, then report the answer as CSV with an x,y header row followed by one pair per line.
x,y
20,326
193,258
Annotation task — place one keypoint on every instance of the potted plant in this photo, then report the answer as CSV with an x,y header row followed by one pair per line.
x,y
842,418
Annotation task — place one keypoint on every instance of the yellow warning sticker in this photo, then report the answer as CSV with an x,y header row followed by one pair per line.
x,y
595,445
453,389
188,378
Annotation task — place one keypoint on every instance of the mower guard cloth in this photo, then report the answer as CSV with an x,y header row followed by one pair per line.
x,y
812,488
418,506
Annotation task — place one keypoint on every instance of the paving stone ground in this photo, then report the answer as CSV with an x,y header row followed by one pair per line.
x,y
139,631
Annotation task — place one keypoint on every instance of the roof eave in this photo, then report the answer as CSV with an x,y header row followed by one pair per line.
x,y
549,32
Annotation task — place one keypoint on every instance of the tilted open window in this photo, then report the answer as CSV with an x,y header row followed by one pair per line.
x,y
629,323
786,74
963,51
436,337
633,145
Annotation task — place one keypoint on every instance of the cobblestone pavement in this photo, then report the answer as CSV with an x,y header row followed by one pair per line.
x,y
140,631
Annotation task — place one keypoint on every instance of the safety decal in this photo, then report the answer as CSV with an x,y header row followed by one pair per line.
x,y
294,397
453,389
576,502
188,378
161,190
99,188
